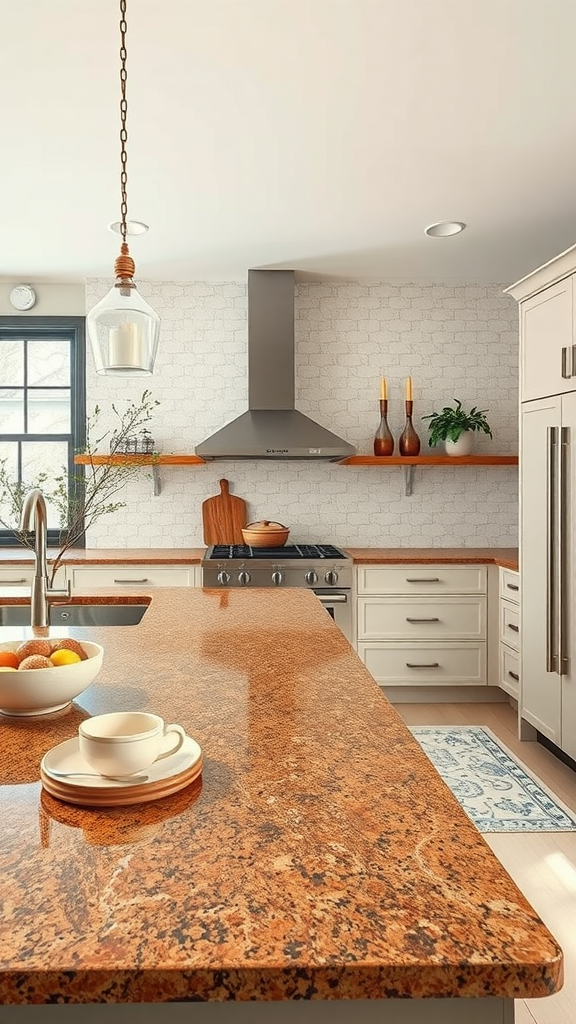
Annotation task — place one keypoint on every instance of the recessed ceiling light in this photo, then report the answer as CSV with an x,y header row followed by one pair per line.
x,y
444,228
133,227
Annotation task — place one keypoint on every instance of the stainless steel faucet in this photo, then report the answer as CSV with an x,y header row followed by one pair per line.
x,y
35,507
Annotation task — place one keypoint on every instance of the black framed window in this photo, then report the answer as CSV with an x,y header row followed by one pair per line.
x,y
42,404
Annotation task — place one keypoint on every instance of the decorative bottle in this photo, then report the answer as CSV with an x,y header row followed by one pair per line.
x,y
409,443
383,440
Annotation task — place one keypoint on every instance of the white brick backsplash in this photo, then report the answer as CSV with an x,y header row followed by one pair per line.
x,y
455,341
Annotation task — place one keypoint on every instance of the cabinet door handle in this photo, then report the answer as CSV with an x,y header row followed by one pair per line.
x,y
551,596
431,664
429,579
513,586
563,549
145,580
6,582
565,373
515,629
573,361
514,675
422,620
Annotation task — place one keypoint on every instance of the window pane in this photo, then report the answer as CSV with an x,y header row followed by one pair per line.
x,y
11,411
11,362
9,453
48,412
49,362
49,457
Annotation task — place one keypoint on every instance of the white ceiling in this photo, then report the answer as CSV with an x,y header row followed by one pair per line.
x,y
322,135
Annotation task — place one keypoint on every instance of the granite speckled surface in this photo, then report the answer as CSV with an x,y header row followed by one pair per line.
x,y
320,856
506,557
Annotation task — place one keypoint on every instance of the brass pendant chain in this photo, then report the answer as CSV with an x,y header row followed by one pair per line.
x,y
123,129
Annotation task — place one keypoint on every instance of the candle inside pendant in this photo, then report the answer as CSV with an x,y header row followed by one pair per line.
x,y
126,350
383,391
409,389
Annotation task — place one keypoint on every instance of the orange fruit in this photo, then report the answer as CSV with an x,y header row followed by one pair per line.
x,y
8,659
64,657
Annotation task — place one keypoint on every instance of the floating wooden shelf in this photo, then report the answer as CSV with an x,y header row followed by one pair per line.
x,y
409,462
154,461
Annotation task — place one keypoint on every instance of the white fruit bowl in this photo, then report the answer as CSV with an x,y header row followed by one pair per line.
x,y
37,691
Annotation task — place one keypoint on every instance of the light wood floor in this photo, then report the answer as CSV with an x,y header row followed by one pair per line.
x,y
542,865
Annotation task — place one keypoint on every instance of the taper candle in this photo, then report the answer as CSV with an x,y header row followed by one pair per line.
x,y
383,392
409,389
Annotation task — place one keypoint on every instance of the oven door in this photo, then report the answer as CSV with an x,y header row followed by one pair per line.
x,y
337,604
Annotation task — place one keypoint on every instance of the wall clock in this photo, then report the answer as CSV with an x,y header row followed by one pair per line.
x,y
22,297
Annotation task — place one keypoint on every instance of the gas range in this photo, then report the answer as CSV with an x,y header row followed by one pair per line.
x,y
315,566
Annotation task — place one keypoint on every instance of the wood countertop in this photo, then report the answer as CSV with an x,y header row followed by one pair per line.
x,y
507,557
319,857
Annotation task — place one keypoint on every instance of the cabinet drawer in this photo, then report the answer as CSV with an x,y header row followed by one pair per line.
x,y
437,664
17,576
422,579
510,624
404,618
133,576
509,670
510,585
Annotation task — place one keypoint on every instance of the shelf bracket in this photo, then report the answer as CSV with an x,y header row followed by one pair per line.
x,y
156,480
408,479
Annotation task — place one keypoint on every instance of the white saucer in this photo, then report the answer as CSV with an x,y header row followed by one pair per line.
x,y
66,757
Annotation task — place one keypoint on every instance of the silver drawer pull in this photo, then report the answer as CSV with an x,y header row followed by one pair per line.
x,y
514,675
333,598
431,664
145,580
3,582
513,586
515,629
429,579
422,620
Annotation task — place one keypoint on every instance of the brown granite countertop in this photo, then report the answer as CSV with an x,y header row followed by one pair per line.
x,y
507,557
319,857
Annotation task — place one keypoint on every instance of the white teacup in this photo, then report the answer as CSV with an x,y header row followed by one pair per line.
x,y
126,742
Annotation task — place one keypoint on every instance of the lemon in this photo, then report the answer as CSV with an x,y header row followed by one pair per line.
x,y
64,657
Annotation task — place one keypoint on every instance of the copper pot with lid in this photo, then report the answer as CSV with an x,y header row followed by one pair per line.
x,y
265,534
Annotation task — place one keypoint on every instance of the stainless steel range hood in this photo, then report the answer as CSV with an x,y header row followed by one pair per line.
x,y
272,428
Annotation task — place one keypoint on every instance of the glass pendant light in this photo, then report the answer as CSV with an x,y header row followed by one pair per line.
x,y
123,328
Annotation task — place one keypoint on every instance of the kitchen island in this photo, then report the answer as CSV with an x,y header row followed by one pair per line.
x,y
319,858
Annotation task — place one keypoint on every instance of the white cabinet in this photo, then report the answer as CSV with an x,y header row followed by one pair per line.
x,y
547,342
509,630
134,576
548,558
21,576
423,625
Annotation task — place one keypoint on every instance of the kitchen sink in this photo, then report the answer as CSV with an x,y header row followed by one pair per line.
x,y
77,614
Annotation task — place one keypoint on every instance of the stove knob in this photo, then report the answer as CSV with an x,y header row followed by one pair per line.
x,y
223,577
331,577
311,577
277,578
244,578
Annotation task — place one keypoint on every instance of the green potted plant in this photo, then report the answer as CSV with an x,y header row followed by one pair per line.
x,y
456,428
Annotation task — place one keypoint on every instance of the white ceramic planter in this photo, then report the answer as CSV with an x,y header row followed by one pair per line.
x,y
463,446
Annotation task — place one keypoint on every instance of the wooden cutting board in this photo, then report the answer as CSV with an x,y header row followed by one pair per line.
x,y
223,517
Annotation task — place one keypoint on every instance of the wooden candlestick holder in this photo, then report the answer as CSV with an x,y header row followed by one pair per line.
x,y
383,440
409,443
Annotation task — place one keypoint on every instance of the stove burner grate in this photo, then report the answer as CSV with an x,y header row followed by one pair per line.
x,y
290,551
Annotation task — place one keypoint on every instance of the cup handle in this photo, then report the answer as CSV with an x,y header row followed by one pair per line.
x,y
181,737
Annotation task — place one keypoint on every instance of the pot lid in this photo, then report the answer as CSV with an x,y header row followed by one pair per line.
x,y
265,526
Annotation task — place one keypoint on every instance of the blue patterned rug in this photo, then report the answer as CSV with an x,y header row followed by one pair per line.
x,y
496,791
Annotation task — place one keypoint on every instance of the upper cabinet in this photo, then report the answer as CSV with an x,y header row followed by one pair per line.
x,y
547,300
547,342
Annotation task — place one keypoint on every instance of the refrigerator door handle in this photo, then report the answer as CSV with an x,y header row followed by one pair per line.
x,y
551,599
563,552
